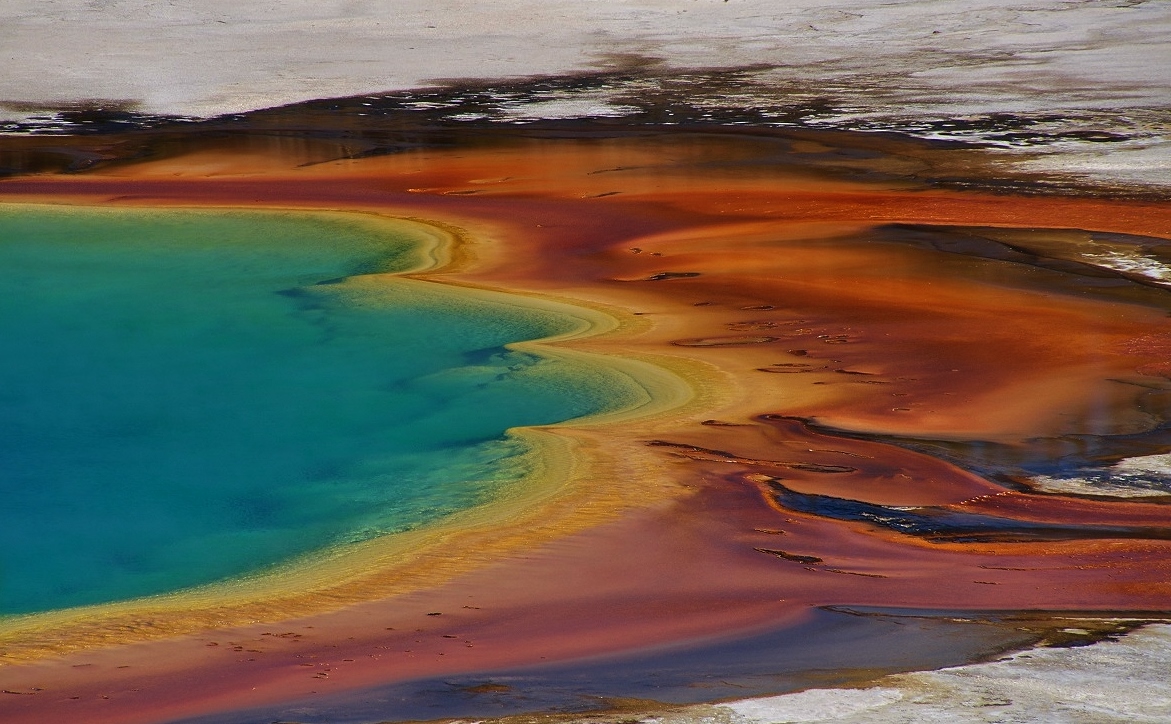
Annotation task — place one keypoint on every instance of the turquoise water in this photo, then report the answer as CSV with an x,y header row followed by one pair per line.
x,y
188,395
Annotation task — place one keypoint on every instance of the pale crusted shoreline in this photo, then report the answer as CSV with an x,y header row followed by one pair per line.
x,y
1111,682
1075,90
221,57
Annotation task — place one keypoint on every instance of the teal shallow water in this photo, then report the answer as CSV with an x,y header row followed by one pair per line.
x,y
187,396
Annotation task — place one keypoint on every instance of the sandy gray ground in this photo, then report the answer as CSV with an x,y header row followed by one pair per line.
x,y
208,57
1107,683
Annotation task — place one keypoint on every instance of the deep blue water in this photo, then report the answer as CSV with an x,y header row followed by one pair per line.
x,y
190,395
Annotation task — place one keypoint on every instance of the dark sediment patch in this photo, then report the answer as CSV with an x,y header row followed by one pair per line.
x,y
1013,465
1076,274
664,276
832,646
939,524
722,341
